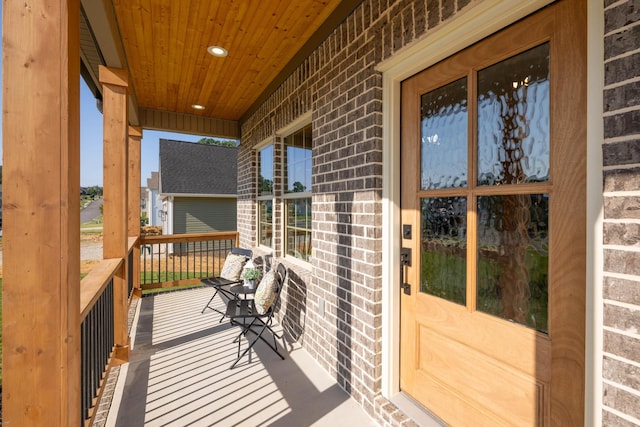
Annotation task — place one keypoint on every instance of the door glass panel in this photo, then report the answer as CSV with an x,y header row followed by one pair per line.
x,y
513,258
513,119
443,133
444,248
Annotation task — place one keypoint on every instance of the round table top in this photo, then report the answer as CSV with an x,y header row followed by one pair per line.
x,y
242,289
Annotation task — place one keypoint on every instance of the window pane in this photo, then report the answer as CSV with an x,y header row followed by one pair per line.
x,y
443,131
265,177
444,248
298,228
513,119
513,258
297,163
265,215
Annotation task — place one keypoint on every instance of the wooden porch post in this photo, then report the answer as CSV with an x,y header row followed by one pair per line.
x,y
135,136
115,115
41,159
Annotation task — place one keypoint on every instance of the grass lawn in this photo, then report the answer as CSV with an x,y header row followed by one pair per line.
x,y
167,277
91,224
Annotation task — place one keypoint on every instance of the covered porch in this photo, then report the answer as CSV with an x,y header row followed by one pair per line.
x,y
333,70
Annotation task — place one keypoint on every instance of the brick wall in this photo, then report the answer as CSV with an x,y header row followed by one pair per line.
x,y
334,307
621,161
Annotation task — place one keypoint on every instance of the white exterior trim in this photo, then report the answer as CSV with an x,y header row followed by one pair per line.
x,y
295,125
595,215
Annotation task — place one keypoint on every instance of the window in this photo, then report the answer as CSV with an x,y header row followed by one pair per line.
x,y
265,196
297,193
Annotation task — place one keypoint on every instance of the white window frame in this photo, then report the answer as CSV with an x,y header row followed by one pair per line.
x,y
284,132
269,142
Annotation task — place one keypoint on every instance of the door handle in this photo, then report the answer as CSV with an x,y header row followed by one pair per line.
x,y
405,260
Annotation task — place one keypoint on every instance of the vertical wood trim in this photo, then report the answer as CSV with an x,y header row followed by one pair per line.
x,y
135,137
133,219
569,108
114,84
41,283
115,157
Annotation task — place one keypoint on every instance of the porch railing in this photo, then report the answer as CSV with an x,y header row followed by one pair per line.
x,y
96,331
130,282
182,259
165,261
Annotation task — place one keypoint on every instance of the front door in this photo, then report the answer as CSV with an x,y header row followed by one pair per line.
x,y
493,213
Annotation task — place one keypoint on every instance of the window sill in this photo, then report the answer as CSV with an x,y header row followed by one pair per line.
x,y
298,262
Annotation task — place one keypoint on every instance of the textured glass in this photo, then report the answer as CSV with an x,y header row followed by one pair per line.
x,y
444,248
513,119
297,165
298,228
513,258
265,230
443,134
265,177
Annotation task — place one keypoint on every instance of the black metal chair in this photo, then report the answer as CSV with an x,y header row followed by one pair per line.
x,y
221,284
245,314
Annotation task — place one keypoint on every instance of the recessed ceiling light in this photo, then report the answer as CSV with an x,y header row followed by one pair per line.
x,y
217,51
197,107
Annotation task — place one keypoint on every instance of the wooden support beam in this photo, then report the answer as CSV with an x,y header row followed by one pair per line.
x,y
116,166
41,212
135,137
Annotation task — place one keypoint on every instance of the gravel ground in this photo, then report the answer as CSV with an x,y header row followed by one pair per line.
x,y
90,252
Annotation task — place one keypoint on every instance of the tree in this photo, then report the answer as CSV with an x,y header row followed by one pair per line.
x,y
220,142
298,187
94,191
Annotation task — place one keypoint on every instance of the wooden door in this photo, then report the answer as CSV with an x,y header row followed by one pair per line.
x,y
493,206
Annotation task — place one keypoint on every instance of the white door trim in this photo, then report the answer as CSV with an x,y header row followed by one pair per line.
x,y
474,24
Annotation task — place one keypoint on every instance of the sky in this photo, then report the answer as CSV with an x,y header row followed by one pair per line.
x,y
91,143
91,139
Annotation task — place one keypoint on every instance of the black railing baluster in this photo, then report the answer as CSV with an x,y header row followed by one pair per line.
x,y
130,274
83,372
196,258
96,343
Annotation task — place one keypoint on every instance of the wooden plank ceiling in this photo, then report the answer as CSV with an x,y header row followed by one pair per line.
x,y
165,42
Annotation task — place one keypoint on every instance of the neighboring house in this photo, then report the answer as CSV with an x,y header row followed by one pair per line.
x,y
197,187
143,201
152,199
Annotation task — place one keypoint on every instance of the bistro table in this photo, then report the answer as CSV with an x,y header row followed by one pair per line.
x,y
238,290
243,290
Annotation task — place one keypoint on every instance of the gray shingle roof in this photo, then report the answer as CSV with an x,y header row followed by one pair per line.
x,y
153,182
191,168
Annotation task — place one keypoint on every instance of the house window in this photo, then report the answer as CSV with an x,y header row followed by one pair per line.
x,y
265,196
297,193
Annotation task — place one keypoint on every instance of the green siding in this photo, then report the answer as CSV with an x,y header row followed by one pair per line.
x,y
201,215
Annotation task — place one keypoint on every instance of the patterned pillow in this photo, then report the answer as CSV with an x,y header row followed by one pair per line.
x,y
232,267
266,292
